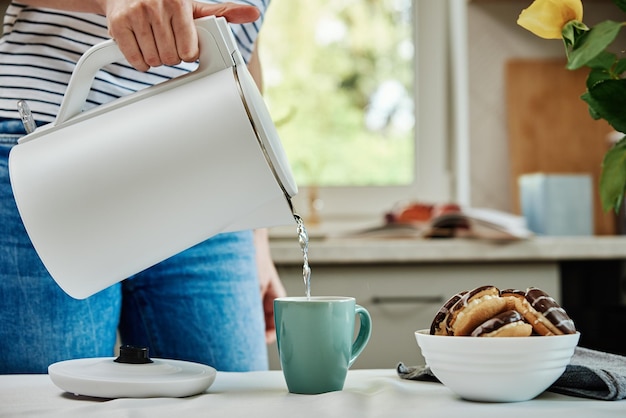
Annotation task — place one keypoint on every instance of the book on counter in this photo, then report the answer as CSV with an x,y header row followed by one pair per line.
x,y
419,220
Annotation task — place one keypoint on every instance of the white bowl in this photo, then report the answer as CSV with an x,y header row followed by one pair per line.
x,y
500,369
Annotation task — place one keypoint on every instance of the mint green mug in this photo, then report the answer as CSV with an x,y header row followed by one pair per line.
x,y
315,338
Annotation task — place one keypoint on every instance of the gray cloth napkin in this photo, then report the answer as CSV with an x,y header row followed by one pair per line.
x,y
591,374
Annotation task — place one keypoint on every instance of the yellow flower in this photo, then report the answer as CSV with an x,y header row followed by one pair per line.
x,y
546,18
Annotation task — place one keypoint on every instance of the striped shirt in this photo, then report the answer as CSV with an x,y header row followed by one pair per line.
x,y
40,47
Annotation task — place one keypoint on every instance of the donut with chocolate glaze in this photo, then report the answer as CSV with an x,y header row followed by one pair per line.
x,y
512,292
474,308
506,324
540,310
439,326
512,295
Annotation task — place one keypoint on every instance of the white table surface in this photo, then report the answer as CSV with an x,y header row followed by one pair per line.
x,y
367,393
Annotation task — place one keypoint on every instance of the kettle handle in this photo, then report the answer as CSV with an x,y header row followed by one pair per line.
x,y
216,54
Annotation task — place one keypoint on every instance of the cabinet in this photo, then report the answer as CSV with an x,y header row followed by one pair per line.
x,y
404,297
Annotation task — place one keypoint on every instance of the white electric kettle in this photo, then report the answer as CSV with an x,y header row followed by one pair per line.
x,y
108,192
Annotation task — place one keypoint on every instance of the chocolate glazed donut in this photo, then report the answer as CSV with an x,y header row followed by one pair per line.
x,y
439,324
474,308
507,324
543,312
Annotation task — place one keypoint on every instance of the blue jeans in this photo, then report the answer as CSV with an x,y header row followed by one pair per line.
x,y
201,305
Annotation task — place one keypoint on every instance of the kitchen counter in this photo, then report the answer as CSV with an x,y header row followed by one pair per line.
x,y
367,393
367,251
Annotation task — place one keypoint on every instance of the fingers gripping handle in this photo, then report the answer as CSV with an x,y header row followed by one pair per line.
x,y
216,53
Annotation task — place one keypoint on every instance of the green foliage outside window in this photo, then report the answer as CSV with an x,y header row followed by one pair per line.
x,y
339,84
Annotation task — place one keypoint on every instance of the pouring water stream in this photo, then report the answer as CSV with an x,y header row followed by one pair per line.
x,y
303,239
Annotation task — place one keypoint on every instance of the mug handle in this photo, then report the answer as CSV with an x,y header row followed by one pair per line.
x,y
365,331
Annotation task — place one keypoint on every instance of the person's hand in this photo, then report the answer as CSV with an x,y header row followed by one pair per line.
x,y
271,286
151,33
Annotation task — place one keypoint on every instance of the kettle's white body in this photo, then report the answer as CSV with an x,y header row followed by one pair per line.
x,y
108,192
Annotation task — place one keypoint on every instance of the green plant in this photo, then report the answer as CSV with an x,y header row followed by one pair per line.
x,y
606,86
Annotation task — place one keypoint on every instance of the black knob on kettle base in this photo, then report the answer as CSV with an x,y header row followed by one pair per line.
x,y
133,355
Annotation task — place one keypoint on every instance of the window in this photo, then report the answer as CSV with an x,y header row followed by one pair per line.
x,y
359,92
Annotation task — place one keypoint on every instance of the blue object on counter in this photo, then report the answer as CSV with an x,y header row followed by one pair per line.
x,y
557,204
